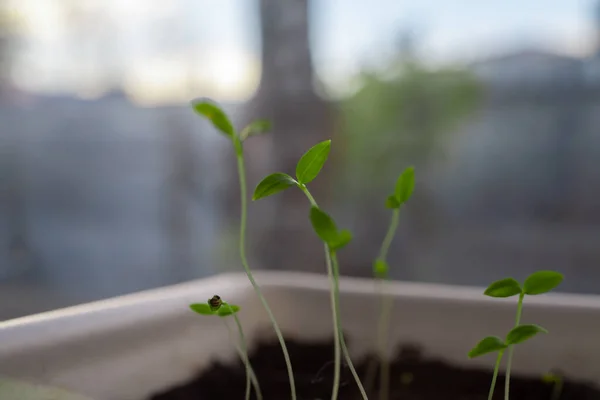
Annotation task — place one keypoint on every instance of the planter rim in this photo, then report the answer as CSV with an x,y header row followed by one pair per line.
x,y
310,282
110,349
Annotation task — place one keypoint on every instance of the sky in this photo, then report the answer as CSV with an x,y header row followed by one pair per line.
x,y
168,51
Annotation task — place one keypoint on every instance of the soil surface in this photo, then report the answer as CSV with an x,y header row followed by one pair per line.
x,y
413,377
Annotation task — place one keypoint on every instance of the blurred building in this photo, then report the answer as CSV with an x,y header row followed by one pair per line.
x,y
98,192
522,190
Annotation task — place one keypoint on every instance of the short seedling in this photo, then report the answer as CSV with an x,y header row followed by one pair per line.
x,y
403,191
211,111
216,306
537,283
557,383
307,170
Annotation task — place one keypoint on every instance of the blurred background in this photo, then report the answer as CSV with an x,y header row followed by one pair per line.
x,y
109,184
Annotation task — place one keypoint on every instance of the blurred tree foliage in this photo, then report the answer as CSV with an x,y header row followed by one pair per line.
x,y
398,117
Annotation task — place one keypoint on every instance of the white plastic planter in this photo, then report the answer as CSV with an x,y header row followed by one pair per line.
x,y
130,347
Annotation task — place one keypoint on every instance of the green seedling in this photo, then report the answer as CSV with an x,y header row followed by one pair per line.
x,y
537,283
217,307
556,380
307,169
211,111
403,191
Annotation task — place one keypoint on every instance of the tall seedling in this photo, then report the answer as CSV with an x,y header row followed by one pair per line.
x,y
403,191
211,111
307,170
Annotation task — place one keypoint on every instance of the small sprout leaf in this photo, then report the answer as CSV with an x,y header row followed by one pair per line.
x,y
551,378
202,308
343,238
405,185
487,345
521,333
272,184
228,309
211,111
503,288
254,128
324,226
312,162
392,202
381,268
542,282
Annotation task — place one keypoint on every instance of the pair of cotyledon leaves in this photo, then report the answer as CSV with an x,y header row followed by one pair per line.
x,y
223,311
307,169
517,335
537,283
405,186
211,111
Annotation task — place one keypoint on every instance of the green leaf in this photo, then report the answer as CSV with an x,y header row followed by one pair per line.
x,y
312,162
257,127
487,345
523,332
343,238
211,111
542,282
551,378
381,268
503,288
323,225
272,184
228,309
392,202
405,185
202,308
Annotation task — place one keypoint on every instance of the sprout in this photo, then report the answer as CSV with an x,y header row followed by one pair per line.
x,y
405,185
537,283
211,111
307,169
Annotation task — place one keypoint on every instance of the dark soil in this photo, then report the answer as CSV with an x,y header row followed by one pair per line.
x,y
412,377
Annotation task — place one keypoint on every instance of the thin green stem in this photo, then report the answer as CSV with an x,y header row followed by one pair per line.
x,y
511,349
336,277
336,326
495,377
557,390
310,197
242,350
333,275
384,326
389,236
286,356
387,303
337,333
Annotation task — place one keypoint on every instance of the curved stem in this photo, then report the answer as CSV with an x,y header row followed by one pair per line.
x,y
387,303
336,276
495,377
286,356
389,236
384,327
557,390
339,341
511,349
337,333
242,350
249,370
